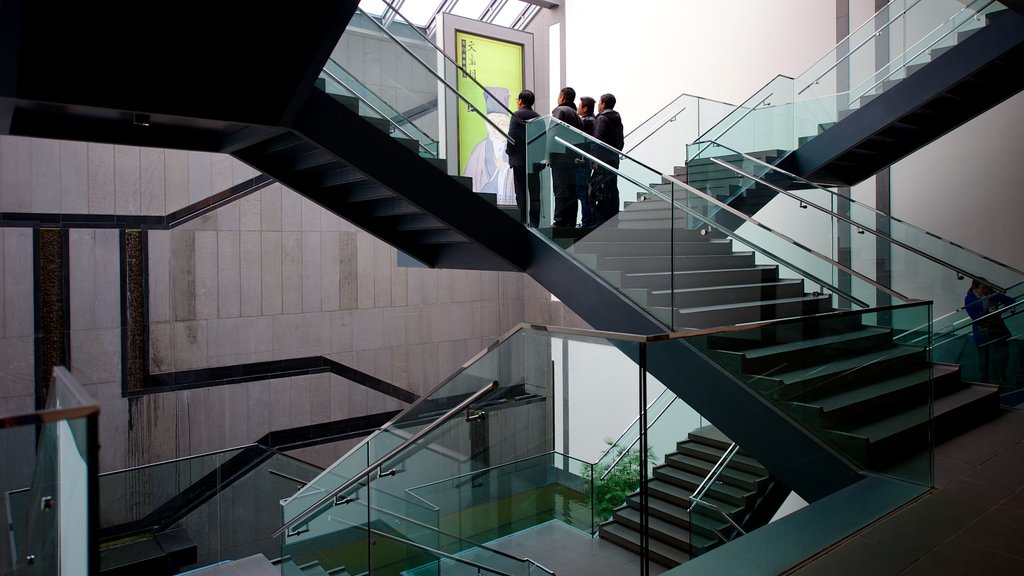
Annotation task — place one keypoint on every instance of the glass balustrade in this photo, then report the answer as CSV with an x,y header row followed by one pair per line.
x,y
660,141
670,244
887,250
336,80
49,485
404,83
462,469
900,38
225,504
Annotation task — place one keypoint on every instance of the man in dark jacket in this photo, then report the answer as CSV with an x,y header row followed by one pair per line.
x,y
563,165
517,159
586,112
604,188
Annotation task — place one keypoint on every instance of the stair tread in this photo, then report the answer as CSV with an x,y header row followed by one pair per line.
x,y
781,282
843,365
812,342
853,396
656,524
656,546
752,303
695,480
695,272
729,472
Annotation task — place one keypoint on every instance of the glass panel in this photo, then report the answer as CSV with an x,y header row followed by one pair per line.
x,y
399,80
226,503
49,501
860,383
887,48
889,251
671,248
488,471
660,142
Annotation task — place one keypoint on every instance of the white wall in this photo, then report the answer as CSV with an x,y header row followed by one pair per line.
x,y
654,50
967,187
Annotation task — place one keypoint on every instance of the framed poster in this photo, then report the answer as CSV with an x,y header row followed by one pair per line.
x,y
498,66
500,61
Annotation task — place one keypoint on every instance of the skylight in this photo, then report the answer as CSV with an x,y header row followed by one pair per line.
x,y
508,13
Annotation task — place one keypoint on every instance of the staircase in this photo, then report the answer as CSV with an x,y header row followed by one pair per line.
x,y
953,83
838,124
674,538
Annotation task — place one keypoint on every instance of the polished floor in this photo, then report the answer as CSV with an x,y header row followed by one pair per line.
x,y
972,523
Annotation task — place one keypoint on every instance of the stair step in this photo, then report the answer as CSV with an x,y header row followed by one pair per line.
x,y
639,264
680,496
730,475
689,298
712,454
671,534
659,551
814,382
746,312
810,351
698,278
863,403
681,248
719,491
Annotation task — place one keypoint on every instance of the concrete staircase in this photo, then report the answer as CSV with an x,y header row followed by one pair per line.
x,y
675,534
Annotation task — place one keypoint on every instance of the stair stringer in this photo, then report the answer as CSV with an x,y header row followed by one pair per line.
x,y
804,463
376,154
994,52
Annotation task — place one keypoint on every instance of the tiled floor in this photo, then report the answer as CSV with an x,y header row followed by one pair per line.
x,y
973,523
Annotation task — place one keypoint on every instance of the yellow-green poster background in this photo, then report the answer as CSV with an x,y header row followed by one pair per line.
x,y
493,63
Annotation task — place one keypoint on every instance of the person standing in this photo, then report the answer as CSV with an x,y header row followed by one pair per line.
x,y
563,165
586,112
989,332
604,188
527,185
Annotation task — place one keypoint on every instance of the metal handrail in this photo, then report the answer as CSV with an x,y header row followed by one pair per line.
x,y
714,473
852,222
309,511
374,108
438,76
631,424
637,439
751,221
710,479
858,47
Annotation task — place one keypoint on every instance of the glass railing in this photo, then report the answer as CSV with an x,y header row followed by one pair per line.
x,y
891,252
902,36
224,503
666,236
407,81
660,141
519,456
49,484
534,448
337,80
